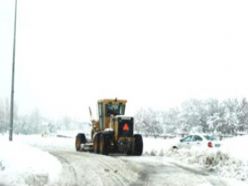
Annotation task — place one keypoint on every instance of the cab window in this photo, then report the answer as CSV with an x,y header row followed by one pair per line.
x,y
115,109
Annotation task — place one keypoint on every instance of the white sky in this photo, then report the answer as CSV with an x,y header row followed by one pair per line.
x,y
70,53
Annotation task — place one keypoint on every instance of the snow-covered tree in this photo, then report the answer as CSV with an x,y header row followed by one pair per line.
x,y
147,122
210,116
243,116
170,121
5,115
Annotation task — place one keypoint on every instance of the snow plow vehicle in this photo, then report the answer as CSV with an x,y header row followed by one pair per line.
x,y
113,132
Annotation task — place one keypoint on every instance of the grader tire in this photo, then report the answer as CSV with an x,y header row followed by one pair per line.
x,y
138,145
80,139
104,144
96,144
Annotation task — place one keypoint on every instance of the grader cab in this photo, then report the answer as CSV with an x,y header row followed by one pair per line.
x,y
112,132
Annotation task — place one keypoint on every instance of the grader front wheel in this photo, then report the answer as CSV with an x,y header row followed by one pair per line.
x,y
80,139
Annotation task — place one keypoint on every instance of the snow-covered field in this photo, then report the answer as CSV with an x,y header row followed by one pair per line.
x,y
23,164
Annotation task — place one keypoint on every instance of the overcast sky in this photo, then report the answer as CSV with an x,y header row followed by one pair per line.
x,y
70,53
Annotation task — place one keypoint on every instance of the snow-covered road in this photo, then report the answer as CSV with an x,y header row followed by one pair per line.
x,y
91,170
53,161
81,168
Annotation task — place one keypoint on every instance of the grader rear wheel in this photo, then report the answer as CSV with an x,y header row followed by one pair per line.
x,y
104,144
138,145
96,144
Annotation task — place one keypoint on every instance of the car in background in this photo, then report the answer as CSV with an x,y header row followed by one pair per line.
x,y
198,140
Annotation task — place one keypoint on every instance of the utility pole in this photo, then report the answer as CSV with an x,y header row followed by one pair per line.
x,y
13,80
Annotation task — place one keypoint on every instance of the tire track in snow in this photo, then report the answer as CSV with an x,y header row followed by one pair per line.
x,y
120,174
90,169
69,173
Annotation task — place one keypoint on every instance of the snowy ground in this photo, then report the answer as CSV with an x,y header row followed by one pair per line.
x,y
21,164
26,161
230,161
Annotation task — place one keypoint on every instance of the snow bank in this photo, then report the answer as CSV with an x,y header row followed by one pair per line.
x,y
236,147
23,165
222,163
231,160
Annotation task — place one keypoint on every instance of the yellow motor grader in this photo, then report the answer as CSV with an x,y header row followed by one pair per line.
x,y
112,132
